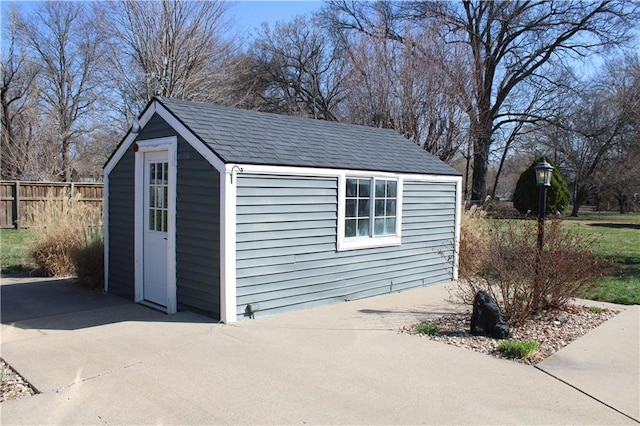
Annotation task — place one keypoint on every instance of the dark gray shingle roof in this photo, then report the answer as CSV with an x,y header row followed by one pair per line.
x,y
251,137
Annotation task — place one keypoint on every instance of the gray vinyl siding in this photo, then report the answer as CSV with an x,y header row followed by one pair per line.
x,y
286,244
197,233
121,226
197,225
122,213
156,128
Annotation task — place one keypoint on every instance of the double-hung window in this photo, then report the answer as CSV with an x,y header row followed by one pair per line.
x,y
370,216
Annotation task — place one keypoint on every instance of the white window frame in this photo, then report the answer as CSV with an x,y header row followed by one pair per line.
x,y
353,243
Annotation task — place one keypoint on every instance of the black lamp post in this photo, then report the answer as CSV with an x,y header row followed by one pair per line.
x,y
543,178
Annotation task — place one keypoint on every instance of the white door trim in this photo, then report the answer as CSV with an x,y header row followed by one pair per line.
x,y
169,144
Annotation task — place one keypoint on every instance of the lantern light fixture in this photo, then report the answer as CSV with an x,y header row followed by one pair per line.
x,y
543,173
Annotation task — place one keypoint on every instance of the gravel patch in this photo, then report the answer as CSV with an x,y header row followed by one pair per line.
x,y
552,329
12,386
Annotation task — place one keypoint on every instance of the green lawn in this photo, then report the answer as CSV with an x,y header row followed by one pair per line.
x,y
618,238
588,215
14,250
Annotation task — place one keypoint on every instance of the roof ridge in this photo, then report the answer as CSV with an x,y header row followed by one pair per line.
x,y
164,100
256,137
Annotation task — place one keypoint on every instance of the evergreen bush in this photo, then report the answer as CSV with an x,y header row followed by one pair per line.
x,y
526,196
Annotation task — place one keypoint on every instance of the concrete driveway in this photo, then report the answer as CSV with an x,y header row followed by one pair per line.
x,y
98,359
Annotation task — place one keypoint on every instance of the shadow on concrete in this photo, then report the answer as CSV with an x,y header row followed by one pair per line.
x,y
413,312
61,304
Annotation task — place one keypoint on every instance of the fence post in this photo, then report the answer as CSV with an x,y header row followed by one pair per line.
x,y
15,211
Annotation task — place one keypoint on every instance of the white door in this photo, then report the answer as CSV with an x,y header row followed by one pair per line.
x,y
156,212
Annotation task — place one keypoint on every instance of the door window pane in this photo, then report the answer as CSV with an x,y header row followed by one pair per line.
x,y
158,196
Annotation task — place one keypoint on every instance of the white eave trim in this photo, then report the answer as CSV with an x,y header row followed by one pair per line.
x,y
187,135
181,129
312,171
128,141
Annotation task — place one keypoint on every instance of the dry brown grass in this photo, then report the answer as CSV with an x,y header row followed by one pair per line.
x,y
65,228
473,240
89,262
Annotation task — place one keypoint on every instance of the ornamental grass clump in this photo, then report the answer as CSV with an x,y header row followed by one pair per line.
x,y
66,227
88,259
520,282
473,237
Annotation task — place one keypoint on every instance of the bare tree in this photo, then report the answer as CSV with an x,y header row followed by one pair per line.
x,y
95,150
392,87
596,136
509,42
18,99
172,48
299,69
619,176
618,173
60,36
248,83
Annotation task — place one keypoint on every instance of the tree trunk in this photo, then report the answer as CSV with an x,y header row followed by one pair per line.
x,y
622,204
480,168
579,199
467,168
575,209
66,163
500,167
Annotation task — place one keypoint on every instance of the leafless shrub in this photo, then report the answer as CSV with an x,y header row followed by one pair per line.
x,y
523,283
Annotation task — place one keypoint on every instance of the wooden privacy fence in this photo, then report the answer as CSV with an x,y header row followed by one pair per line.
x,y
17,198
